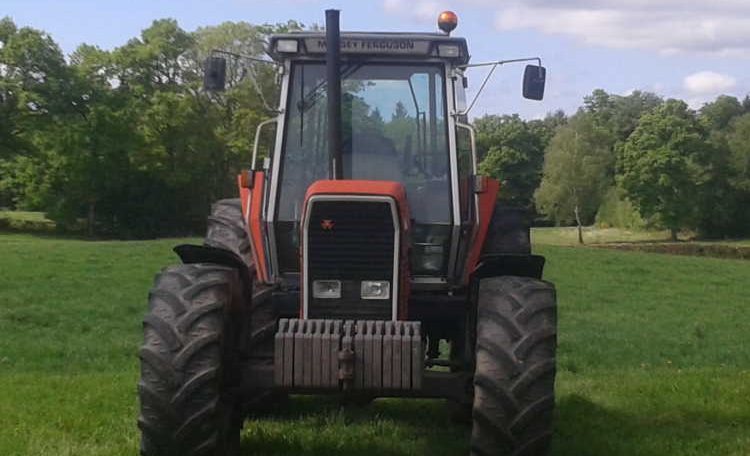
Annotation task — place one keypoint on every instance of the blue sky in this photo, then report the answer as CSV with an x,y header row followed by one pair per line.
x,y
694,50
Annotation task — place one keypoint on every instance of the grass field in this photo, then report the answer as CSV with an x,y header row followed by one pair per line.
x,y
654,359
568,236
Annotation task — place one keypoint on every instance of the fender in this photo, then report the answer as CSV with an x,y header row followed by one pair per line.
x,y
190,254
495,265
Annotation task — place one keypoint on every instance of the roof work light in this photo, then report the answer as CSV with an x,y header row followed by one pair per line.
x,y
447,21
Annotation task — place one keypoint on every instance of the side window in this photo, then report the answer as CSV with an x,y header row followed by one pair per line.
x,y
463,149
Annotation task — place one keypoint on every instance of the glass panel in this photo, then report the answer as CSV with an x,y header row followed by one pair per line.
x,y
465,169
394,128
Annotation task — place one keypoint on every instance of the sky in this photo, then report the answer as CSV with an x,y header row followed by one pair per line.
x,y
689,49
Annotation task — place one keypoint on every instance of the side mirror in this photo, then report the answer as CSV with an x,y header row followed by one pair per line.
x,y
533,82
215,74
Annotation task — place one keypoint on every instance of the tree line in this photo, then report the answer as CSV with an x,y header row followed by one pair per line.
x,y
126,140
125,143
630,161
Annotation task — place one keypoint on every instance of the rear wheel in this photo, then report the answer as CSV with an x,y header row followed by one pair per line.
x,y
514,374
187,362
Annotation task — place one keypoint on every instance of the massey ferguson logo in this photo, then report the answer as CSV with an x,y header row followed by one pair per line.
x,y
327,225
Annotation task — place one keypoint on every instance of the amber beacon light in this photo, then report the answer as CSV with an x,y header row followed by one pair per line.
x,y
447,21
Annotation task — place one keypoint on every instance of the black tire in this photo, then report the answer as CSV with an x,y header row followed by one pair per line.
x,y
186,361
227,229
514,376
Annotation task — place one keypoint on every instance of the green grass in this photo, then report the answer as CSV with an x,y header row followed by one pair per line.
x,y
653,359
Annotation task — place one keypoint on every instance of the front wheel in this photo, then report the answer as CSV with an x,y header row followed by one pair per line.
x,y
514,376
186,362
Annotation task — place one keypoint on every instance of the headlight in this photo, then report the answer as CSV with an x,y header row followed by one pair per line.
x,y
288,46
327,289
448,50
375,289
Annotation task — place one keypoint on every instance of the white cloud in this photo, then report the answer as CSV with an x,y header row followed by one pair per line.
x,y
718,27
708,83
423,10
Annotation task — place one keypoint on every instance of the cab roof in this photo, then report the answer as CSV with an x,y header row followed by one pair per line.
x,y
404,46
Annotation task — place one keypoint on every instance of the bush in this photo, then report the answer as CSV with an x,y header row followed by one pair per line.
x,y
617,212
30,222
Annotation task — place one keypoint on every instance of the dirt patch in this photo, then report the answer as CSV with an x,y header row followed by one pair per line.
x,y
684,248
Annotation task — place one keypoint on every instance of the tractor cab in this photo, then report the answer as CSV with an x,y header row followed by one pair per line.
x,y
397,101
401,117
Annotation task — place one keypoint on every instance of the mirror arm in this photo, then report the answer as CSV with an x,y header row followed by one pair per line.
x,y
252,76
481,88
245,57
494,66
257,139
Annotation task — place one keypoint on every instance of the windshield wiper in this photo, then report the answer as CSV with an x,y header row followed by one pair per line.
x,y
317,92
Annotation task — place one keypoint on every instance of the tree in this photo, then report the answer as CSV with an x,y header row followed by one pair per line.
x,y
738,142
619,114
399,111
718,201
511,152
718,114
660,165
575,176
546,128
34,94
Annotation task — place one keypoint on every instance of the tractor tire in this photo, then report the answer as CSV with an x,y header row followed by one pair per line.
x,y
514,374
227,229
187,364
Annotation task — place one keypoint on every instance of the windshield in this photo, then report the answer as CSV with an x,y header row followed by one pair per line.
x,y
394,128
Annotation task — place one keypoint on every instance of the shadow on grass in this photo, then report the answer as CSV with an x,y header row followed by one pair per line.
x,y
587,429
310,426
322,426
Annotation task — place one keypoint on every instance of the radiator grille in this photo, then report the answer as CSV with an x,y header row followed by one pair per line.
x,y
350,241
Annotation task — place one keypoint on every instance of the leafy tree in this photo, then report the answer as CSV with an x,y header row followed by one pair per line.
x,y
511,152
34,92
660,166
399,111
718,201
718,114
546,128
738,142
619,114
575,172
628,111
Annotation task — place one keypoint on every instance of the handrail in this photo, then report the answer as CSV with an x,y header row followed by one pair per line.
x,y
257,138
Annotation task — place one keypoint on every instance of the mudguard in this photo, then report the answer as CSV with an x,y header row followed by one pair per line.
x,y
495,265
190,254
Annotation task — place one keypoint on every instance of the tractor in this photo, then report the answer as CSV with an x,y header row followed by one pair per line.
x,y
364,257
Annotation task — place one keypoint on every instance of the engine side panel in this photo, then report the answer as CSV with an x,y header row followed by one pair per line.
x,y
252,210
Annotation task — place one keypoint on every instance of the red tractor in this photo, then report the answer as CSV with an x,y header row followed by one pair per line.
x,y
364,257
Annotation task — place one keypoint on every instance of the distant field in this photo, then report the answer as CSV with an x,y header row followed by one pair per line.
x,y
654,360
643,241
593,235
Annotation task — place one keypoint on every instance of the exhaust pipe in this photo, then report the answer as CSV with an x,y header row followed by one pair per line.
x,y
333,71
